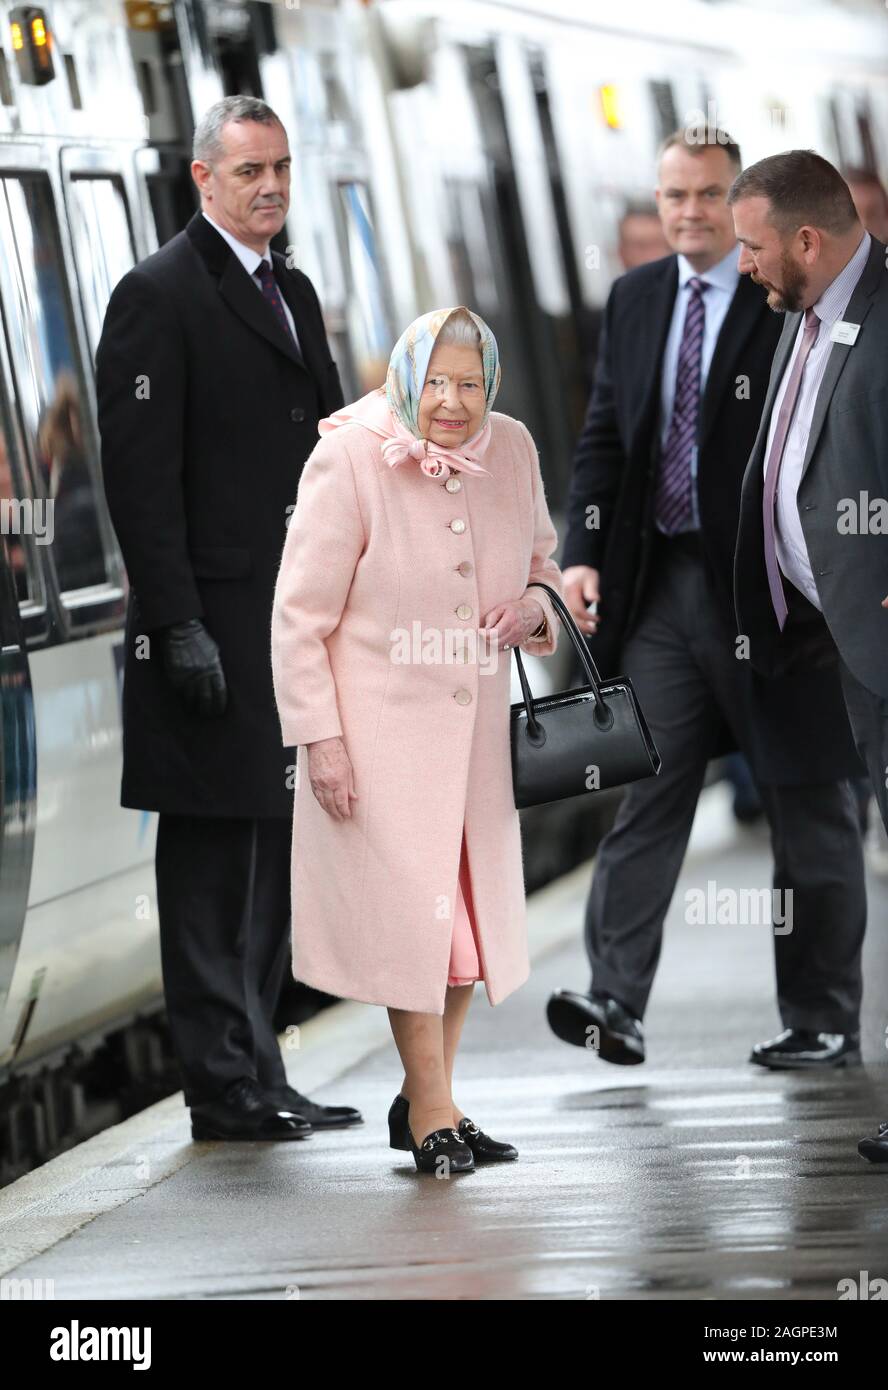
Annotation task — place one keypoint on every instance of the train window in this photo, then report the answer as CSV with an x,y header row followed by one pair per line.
x,y
103,243
370,329
868,157
49,384
468,240
664,108
73,81
6,96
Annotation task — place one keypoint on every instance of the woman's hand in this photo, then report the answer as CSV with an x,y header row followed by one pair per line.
x,y
332,777
510,624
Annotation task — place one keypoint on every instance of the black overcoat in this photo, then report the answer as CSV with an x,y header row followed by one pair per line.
x,y
207,413
615,469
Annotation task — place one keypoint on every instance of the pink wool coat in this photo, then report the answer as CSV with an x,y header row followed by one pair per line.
x,y
374,568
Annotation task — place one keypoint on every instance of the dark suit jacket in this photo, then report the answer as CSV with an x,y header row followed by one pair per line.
x,y
207,414
846,457
615,468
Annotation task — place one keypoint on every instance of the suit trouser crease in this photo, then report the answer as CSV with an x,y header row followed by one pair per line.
x,y
223,893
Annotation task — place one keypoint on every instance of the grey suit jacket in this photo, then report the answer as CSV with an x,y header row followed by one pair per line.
x,y
844,479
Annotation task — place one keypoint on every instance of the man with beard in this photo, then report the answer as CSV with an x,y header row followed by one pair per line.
x,y
212,372
685,353
813,505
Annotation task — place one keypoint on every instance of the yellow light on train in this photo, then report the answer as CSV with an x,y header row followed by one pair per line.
x,y
610,106
32,45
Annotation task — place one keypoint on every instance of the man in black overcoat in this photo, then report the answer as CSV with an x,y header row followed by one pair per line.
x,y
685,353
213,370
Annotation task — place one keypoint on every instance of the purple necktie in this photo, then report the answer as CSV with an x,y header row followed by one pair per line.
x,y
265,274
674,506
775,458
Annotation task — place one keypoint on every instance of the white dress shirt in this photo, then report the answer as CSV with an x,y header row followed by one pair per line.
x,y
792,551
251,260
722,280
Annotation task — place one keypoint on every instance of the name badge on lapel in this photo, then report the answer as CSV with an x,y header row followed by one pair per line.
x,y
843,332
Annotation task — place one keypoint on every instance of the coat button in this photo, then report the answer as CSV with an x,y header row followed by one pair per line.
x,y
453,485
297,415
458,526
464,611
465,568
462,697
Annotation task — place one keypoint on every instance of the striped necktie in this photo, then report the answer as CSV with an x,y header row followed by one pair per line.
x,y
674,503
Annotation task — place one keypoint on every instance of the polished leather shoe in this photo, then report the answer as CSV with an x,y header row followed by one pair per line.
x,y
442,1143
318,1116
800,1049
245,1113
484,1149
620,1036
876,1150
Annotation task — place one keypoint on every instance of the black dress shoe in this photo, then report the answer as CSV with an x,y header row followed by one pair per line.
x,y
800,1049
620,1035
484,1149
318,1116
876,1150
442,1143
244,1113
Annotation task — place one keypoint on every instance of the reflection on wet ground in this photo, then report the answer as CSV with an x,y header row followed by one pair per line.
x,y
694,1176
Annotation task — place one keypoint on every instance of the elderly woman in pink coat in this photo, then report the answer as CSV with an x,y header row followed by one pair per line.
x,y
420,524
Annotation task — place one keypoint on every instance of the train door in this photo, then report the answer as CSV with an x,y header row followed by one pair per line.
x,y
533,304
18,746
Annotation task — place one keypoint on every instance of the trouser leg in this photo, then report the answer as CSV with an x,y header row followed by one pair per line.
x,y
818,872
639,861
821,893
268,944
203,867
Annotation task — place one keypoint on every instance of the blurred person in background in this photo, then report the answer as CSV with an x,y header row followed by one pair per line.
x,y
640,236
212,372
807,570
652,521
870,200
420,520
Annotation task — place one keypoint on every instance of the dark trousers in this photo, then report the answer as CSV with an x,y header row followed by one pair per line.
x,y
223,895
868,714
681,660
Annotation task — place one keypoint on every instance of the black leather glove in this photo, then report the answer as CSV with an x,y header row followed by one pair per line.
x,y
191,661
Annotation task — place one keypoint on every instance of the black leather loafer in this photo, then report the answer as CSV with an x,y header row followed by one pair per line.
x,y
442,1152
484,1149
876,1150
243,1113
318,1116
397,1122
799,1049
620,1036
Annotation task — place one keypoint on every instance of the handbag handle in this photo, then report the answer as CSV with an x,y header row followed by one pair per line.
x,y
602,714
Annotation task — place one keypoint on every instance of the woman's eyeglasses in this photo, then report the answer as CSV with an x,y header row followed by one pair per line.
x,y
439,385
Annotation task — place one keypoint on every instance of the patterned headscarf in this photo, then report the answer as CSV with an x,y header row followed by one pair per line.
x,y
409,364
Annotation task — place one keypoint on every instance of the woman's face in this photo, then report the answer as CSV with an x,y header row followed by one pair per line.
x,y
451,407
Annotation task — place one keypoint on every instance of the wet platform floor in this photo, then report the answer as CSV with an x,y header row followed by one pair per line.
x,y
693,1176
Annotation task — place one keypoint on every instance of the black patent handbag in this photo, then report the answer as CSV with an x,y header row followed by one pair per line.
x,y
578,741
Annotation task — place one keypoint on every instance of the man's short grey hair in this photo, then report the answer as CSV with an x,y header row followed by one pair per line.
x,y
207,144
458,330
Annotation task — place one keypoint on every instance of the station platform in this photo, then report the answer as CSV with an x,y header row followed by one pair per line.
x,y
694,1176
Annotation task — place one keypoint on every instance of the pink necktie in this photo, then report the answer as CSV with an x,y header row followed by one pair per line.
x,y
775,458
